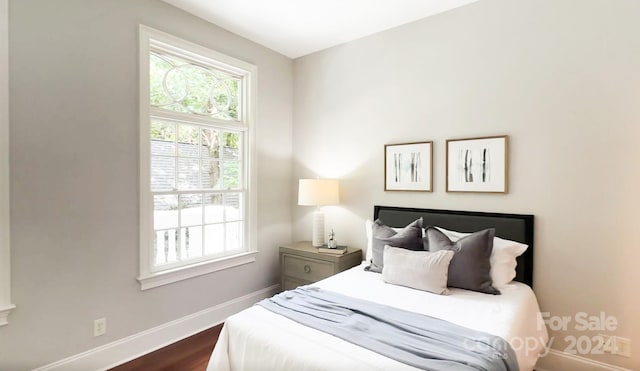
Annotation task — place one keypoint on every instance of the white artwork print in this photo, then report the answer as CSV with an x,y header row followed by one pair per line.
x,y
477,165
474,165
405,167
408,167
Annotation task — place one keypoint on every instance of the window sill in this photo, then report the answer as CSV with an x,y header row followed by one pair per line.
x,y
4,313
164,278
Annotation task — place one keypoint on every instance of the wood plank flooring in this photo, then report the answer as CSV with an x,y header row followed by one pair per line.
x,y
190,354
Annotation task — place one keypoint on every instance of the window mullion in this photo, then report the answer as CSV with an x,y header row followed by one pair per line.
x,y
177,249
202,197
224,222
200,157
179,231
204,225
181,117
196,190
176,171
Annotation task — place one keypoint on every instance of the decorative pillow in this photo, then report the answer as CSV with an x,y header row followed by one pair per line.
x,y
409,237
422,270
368,226
470,267
503,257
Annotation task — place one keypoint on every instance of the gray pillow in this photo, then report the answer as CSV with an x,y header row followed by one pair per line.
x,y
410,237
422,270
470,267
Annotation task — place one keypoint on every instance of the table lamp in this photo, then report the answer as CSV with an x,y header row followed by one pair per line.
x,y
318,192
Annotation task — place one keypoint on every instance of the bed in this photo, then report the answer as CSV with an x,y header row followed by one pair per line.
x,y
258,339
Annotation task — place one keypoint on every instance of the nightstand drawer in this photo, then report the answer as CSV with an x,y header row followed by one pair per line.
x,y
302,264
306,269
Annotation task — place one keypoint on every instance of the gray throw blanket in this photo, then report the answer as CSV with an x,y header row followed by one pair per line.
x,y
421,341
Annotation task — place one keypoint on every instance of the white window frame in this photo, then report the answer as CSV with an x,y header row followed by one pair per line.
x,y
148,277
5,240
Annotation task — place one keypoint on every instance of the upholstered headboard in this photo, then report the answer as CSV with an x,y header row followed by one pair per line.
x,y
515,227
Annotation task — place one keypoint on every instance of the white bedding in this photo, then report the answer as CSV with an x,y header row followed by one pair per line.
x,y
257,339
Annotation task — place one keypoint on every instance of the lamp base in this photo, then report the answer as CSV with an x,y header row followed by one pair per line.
x,y
318,229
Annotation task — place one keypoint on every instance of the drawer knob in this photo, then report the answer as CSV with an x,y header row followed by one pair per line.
x,y
307,268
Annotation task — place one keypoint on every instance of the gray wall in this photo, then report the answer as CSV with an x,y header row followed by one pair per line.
x,y
74,175
560,77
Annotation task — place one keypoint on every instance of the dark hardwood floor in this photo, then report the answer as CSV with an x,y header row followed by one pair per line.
x,y
190,354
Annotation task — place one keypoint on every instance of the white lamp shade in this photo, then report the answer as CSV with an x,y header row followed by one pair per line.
x,y
318,192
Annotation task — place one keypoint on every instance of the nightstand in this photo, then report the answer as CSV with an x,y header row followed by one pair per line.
x,y
302,264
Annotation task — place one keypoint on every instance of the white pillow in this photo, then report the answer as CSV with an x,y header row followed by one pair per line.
x,y
368,226
503,257
422,270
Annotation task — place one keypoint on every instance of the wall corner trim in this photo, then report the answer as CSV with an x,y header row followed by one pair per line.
x,y
131,347
557,360
4,313
5,240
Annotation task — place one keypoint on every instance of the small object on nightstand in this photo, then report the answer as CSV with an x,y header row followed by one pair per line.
x,y
332,244
338,250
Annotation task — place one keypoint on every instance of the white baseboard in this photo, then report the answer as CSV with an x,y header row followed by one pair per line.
x,y
561,361
136,345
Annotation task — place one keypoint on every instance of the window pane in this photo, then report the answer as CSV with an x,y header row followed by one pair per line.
x,y
165,212
233,206
188,139
233,236
165,246
224,98
191,242
163,173
231,174
214,239
188,173
231,143
211,174
163,137
178,85
190,209
210,143
200,81
158,67
213,208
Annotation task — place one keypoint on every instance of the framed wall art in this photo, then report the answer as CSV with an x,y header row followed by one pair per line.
x,y
477,164
408,167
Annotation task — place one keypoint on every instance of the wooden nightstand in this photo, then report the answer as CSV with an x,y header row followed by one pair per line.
x,y
301,264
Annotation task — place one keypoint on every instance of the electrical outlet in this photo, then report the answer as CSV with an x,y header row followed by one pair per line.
x,y
99,326
623,347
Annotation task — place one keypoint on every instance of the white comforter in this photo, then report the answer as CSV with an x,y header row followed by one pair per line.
x,y
257,339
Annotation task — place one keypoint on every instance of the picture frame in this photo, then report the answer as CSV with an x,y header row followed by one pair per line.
x,y
408,167
477,164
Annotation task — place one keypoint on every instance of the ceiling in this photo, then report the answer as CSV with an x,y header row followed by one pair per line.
x,y
299,27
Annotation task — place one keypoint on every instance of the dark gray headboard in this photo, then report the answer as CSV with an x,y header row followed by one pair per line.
x,y
513,227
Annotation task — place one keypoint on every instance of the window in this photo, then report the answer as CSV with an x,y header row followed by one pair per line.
x,y
197,208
